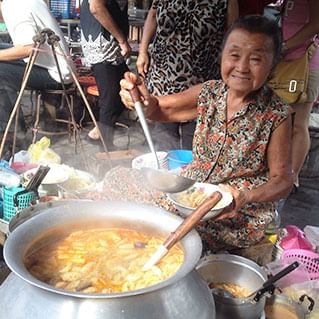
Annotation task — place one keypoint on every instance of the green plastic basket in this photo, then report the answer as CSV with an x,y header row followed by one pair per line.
x,y
23,200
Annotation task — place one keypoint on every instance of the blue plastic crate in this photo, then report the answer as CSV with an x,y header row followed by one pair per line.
x,y
63,9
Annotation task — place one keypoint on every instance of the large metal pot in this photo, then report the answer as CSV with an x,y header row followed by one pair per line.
x,y
184,295
232,269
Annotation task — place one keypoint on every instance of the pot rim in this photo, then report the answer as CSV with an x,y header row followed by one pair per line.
x,y
19,240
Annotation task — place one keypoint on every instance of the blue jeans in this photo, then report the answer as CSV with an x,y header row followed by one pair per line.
x,y
11,75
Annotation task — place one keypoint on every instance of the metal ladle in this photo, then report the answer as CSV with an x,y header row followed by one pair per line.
x,y
159,179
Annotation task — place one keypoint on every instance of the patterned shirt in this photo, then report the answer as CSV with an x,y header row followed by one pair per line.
x,y
186,46
234,152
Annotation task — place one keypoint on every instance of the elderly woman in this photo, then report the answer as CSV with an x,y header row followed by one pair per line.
x,y
243,133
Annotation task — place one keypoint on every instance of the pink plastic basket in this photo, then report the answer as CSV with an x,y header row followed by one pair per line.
x,y
307,257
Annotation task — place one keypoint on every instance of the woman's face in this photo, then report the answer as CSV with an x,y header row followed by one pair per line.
x,y
246,61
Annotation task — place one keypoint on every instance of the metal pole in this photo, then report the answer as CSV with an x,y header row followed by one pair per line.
x,y
29,65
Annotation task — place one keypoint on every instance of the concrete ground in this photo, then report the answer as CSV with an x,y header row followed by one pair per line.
x,y
302,207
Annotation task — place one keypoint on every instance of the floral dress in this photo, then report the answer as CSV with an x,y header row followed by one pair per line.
x,y
234,153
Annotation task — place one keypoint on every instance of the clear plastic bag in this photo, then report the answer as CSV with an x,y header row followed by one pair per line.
x,y
309,288
299,275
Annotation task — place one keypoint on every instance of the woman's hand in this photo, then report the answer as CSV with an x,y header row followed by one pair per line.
x,y
142,63
240,199
130,82
125,49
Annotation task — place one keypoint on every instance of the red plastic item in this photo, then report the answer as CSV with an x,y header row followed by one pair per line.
x,y
87,80
21,167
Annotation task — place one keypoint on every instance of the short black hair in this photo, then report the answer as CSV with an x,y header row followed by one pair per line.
x,y
259,24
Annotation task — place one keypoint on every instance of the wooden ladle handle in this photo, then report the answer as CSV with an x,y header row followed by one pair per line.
x,y
192,219
135,94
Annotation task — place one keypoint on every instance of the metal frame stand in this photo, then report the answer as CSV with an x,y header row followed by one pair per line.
x,y
53,40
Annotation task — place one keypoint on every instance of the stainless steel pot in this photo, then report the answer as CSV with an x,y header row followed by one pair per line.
x,y
184,295
26,213
281,306
232,269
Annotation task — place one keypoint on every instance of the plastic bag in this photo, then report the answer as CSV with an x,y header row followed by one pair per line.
x,y
8,177
41,153
299,275
21,157
310,288
295,239
312,234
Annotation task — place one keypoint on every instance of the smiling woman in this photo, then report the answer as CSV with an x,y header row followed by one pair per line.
x,y
242,134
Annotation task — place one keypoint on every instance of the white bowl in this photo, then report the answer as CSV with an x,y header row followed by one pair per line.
x,y
57,174
187,201
148,160
79,181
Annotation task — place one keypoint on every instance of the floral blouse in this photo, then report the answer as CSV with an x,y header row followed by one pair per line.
x,y
234,153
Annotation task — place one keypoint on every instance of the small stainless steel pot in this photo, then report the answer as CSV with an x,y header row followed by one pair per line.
x,y
292,308
232,269
185,295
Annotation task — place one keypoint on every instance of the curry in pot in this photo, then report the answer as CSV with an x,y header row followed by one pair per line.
x,y
236,290
101,260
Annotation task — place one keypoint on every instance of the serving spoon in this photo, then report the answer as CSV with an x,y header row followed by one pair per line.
x,y
160,179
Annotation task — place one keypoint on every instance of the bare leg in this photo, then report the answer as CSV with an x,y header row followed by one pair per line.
x,y
300,136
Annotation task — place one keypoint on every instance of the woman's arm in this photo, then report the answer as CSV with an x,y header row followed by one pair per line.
x,y
232,12
309,30
280,180
169,108
176,107
103,16
149,30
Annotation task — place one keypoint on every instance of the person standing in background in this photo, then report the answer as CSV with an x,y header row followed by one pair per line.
x,y
300,26
186,39
104,31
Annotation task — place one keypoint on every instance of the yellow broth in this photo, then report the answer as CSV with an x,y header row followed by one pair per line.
x,y
100,260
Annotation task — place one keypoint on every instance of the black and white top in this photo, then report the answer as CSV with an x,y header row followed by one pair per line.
x,y
98,44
